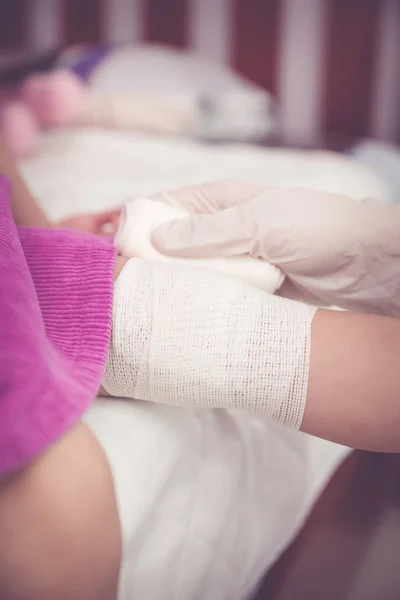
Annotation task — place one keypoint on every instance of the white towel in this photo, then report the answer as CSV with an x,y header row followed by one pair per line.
x,y
141,216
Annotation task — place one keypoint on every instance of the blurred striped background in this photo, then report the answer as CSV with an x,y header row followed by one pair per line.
x,y
334,65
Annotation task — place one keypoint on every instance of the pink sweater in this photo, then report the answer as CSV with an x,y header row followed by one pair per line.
x,y
55,321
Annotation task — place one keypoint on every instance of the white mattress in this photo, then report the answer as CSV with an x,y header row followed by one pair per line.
x,y
208,499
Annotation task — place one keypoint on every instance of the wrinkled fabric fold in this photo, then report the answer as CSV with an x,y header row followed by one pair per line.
x,y
55,323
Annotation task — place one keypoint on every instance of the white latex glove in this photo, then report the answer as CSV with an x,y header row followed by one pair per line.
x,y
332,249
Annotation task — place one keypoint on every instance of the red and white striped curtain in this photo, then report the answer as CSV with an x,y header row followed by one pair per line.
x,y
333,64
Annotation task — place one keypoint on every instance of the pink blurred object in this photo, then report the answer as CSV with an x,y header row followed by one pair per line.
x,y
18,127
42,101
55,98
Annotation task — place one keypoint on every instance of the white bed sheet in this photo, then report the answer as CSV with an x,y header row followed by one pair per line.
x,y
91,169
208,499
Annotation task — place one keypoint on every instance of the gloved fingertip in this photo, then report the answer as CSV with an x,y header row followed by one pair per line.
x,y
166,238
182,238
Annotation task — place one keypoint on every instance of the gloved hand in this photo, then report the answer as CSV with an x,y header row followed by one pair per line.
x,y
333,250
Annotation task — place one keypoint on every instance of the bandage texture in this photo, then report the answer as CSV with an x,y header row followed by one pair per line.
x,y
190,336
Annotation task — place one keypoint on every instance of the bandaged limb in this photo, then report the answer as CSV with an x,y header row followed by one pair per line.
x,y
194,337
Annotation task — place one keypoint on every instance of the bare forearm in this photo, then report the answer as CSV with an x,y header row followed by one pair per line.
x,y
354,383
25,209
59,525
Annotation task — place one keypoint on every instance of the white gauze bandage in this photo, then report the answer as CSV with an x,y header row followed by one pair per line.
x,y
196,337
141,216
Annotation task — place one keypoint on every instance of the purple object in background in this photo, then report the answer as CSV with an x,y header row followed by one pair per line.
x,y
55,323
88,59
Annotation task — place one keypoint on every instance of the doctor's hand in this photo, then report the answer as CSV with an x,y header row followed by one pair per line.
x,y
332,249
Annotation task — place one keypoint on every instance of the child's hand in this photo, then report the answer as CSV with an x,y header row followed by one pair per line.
x,y
103,223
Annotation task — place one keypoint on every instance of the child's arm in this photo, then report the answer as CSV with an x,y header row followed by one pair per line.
x,y
196,338
25,209
27,212
59,527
